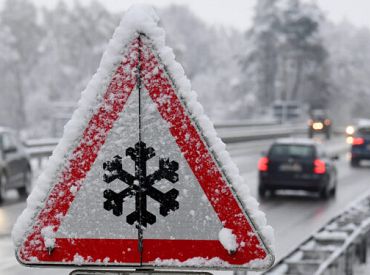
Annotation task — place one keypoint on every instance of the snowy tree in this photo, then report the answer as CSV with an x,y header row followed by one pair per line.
x,y
210,59
286,57
71,49
290,53
189,37
350,67
7,58
302,55
260,62
19,18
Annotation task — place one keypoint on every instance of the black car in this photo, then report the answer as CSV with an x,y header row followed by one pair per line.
x,y
297,164
15,168
360,148
319,123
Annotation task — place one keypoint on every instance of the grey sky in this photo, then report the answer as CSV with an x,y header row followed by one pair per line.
x,y
355,11
238,13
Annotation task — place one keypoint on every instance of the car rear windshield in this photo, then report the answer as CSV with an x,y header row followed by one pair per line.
x,y
364,132
292,150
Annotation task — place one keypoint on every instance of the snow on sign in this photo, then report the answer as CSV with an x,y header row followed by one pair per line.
x,y
140,178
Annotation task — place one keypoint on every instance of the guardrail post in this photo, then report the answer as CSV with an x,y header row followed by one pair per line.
x,y
340,265
39,162
362,249
349,253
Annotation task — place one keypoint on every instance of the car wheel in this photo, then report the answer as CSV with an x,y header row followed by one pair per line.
x,y
261,191
3,181
25,190
310,134
324,193
333,191
355,162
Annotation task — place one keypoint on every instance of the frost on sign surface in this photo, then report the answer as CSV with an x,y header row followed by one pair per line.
x,y
139,151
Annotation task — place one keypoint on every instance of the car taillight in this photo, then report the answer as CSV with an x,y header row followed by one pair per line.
x,y
358,141
263,164
319,166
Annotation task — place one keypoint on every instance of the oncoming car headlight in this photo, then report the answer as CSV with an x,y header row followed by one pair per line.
x,y
317,126
350,130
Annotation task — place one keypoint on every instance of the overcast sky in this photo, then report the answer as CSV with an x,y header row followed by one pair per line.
x,y
238,13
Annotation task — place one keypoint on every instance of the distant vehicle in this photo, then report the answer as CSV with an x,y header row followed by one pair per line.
x,y
15,168
351,128
319,123
360,149
297,164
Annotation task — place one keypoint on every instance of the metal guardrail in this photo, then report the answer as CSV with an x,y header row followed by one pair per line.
x,y
42,148
337,248
238,132
241,123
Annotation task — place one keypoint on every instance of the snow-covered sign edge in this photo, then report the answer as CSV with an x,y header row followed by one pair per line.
x,y
222,158
142,19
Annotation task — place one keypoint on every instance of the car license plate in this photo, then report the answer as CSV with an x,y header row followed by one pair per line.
x,y
289,167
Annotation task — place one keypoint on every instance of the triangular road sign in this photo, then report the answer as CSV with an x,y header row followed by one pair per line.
x,y
139,177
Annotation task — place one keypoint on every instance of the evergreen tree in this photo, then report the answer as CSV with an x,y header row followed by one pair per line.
x,y
260,64
303,55
19,18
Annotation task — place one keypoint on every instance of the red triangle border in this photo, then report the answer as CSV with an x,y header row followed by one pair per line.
x,y
196,153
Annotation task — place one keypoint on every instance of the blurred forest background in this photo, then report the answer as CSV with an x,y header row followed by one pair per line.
x,y
291,52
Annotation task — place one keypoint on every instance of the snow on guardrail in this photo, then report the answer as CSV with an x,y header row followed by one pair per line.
x,y
41,148
239,132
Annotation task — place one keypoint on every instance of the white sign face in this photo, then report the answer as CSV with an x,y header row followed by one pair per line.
x,y
193,219
140,178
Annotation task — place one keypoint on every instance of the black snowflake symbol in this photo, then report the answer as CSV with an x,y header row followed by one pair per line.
x,y
141,185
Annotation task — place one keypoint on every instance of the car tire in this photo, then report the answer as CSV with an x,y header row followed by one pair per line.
x,y
324,193
310,134
333,191
25,190
3,180
355,162
261,191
